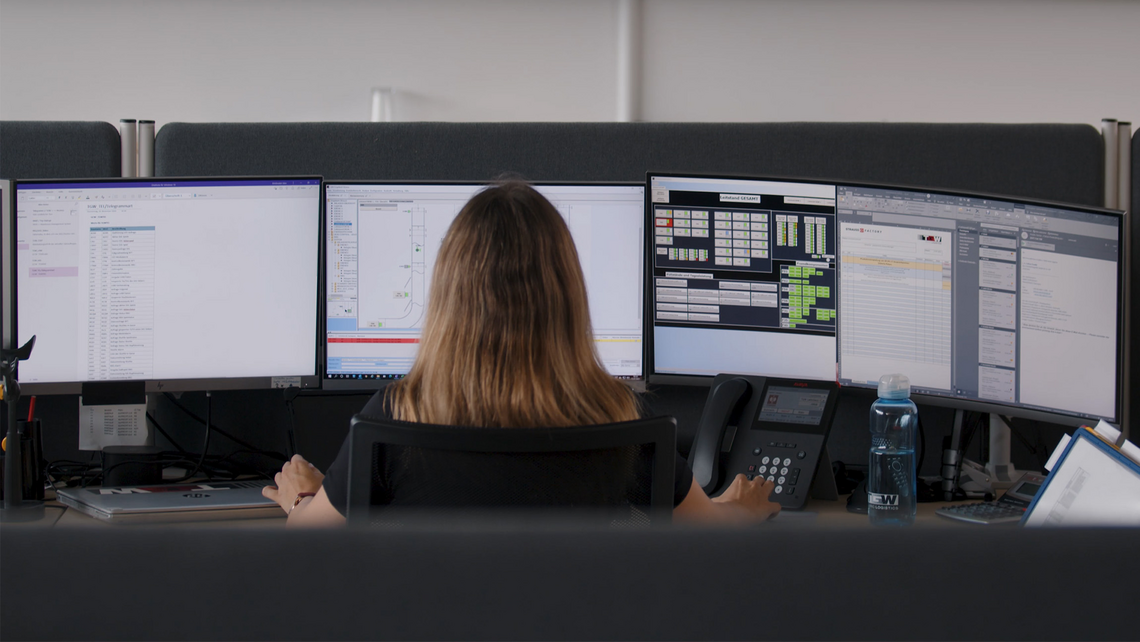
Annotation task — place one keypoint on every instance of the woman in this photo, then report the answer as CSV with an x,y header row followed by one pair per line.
x,y
507,343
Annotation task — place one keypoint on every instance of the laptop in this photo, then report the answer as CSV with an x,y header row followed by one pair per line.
x,y
173,502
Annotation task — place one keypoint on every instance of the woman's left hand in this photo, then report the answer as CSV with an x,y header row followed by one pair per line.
x,y
296,476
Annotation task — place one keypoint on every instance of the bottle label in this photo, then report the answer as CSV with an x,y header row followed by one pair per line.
x,y
883,501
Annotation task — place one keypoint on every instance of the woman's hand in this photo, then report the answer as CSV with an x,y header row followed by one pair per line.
x,y
296,476
751,496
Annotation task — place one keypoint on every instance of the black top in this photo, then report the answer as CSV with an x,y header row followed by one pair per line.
x,y
336,478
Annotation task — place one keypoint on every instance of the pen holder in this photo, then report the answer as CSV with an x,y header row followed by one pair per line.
x,y
32,454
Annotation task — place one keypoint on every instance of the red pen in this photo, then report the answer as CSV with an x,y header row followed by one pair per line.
x,y
32,409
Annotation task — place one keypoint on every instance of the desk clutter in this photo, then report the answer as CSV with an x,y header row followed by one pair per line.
x,y
268,265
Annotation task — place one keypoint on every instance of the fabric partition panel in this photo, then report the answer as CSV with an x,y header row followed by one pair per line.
x,y
492,583
1055,162
58,149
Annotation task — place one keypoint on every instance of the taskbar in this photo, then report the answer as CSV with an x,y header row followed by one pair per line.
x,y
400,376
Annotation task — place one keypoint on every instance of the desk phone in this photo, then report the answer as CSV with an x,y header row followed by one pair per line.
x,y
1008,509
764,426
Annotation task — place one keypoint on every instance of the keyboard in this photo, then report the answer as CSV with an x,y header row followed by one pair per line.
x,y
998,512
1008,509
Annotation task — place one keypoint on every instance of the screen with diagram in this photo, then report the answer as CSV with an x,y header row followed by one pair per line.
x,y
381,245
743,277
980,299
168,279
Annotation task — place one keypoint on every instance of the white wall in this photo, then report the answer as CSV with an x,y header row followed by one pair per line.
x,y
503,60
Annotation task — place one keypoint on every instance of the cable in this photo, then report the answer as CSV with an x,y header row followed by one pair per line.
x,y
922,448
291,394
240,442
206,445
164,464
1038,450
248,467
62,510
975,422
154,421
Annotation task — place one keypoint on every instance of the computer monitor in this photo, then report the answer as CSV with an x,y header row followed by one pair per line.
x,y
993,304
7,265
381,244
184,284
988,303
742,278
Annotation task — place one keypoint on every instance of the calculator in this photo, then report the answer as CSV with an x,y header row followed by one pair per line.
x,y
1008,509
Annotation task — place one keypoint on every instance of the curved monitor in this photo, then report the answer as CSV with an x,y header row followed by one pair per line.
x,y
381,245
184,284
987,303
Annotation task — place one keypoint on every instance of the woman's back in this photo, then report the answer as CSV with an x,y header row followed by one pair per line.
x,y
507,340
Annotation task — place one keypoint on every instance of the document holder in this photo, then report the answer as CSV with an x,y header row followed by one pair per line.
x,y
1092,484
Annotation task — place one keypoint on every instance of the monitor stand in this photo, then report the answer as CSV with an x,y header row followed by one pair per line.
x,y
960,475
823,485
1000,469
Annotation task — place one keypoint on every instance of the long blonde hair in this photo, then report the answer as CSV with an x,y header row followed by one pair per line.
x,y
507,340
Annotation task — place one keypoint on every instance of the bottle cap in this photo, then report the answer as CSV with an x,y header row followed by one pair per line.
x,y
894,386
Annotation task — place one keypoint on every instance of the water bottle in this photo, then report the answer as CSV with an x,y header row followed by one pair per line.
x,y
891,477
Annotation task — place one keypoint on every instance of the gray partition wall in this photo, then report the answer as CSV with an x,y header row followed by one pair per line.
x,y
58,149
542,583
1055,162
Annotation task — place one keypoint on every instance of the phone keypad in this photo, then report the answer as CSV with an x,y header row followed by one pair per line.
x,y
777,469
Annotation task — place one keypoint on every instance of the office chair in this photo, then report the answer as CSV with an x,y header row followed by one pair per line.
x,y
619,474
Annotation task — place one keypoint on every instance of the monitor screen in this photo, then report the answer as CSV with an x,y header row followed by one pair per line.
x,y
381,244
6,267
981,299
743,276
1000,305
182,283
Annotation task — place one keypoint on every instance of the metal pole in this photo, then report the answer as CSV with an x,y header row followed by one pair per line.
x,y
1108,130
629,61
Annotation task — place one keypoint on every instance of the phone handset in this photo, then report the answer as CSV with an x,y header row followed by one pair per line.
x,y
724,404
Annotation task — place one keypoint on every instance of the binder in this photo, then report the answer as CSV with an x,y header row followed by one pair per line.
x,y
1092,484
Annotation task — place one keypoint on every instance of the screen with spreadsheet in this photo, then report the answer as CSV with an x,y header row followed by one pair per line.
x,y
981,299
189,283
987,303
381,244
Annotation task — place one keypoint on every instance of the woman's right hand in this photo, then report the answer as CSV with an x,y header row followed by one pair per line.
x,y
296,476
751,496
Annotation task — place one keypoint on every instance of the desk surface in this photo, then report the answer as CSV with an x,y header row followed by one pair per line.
x,y
818,514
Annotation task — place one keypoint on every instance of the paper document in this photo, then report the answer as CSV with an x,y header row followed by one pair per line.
x,y
113,425
1089,487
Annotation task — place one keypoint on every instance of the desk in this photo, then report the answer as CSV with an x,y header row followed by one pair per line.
x,y
817,514
834,514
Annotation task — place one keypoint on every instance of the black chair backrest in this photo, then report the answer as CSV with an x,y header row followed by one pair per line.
x,y
622,472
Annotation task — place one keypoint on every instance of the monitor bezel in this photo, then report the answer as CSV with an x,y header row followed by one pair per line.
x,y
361,385
8,265
304,381
1013,410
